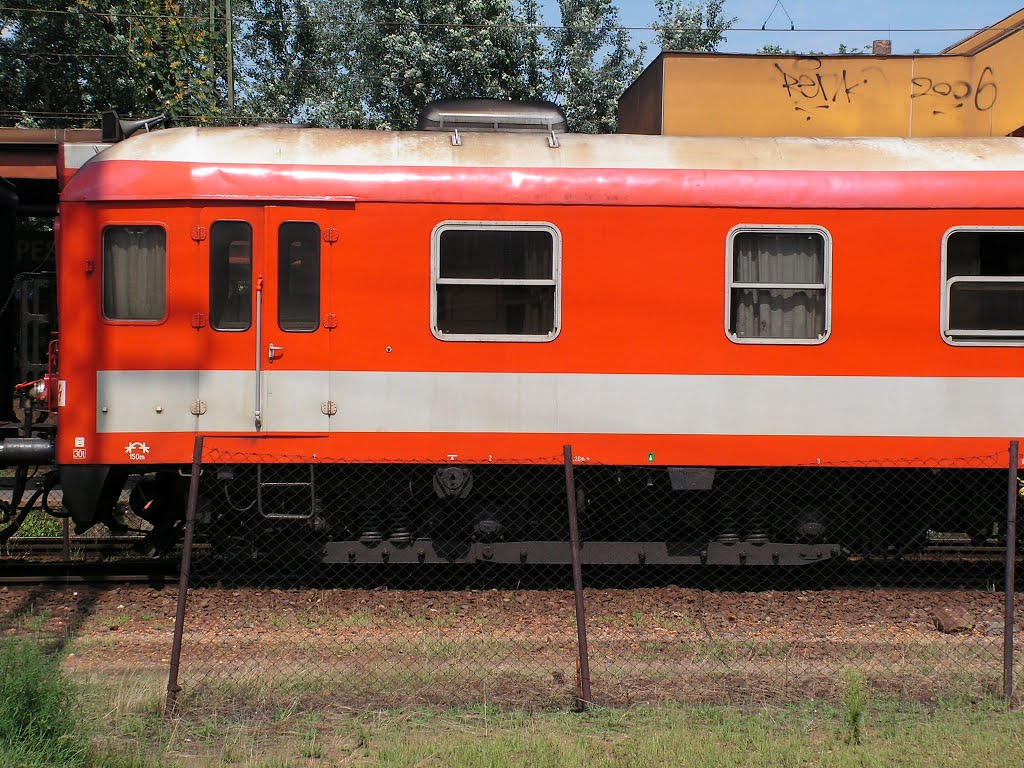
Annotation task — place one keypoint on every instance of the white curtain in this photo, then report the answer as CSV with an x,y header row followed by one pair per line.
x,y
134,273
792,260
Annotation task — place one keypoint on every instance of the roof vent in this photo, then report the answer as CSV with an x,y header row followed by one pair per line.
x,y
493,115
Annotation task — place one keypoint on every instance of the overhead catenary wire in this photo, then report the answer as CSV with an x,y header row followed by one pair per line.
x,y
792,25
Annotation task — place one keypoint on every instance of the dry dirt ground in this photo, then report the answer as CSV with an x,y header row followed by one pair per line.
x,y
385,647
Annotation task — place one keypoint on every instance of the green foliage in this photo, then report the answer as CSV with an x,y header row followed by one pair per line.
x,y
295,61
85,56
592,63
413,52
699,26
773,49
40,524
37,710
854,697
168,47
358,63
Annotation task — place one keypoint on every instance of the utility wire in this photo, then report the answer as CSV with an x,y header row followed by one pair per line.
x,y
205,20
95,116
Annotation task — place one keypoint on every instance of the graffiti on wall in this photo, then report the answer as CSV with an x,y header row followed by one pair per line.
x,y
813,89
958,94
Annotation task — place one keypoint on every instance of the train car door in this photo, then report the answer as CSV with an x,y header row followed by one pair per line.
x,y
294,321
230,244
265,338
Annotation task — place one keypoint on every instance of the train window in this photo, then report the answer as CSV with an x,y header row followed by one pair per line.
x,y
778,285
496,281
134,272
298,276
983,301
230,275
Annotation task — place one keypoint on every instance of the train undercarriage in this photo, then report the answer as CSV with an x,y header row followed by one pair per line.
x,y
513,513
417,513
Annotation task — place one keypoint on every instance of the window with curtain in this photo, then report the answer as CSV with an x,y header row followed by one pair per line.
x,y
298,276
984,287
230,275
496,282
134,272
778,286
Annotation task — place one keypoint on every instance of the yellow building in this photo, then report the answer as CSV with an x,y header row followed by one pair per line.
x,y
973,88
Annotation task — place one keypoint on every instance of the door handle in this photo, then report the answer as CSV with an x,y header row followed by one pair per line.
x,y
274,352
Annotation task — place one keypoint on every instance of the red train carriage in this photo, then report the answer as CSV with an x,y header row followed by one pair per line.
x,y
437,313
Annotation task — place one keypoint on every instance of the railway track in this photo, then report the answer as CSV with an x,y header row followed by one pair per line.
x,y
156,572
36,560
50,546
45,559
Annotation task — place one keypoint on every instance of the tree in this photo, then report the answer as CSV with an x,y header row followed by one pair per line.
x,y
296,61
699,26
81,57
168,50
415,51
592,63
52,61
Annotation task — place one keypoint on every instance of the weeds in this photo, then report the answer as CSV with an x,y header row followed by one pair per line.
x,y
41,524
854,697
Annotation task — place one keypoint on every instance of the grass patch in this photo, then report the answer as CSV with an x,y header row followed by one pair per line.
x,y
38,725
38,523
218,730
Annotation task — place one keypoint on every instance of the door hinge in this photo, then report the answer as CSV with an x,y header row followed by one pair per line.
x,y
330,235
329,408
198,320
199,234
330,321
198,408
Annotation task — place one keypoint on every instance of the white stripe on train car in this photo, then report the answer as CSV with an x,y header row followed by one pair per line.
x,y
382,401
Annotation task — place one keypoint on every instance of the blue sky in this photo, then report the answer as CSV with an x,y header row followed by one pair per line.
x,y
879,19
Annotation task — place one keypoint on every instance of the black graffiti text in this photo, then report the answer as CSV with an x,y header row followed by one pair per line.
x,y
960,92
815,90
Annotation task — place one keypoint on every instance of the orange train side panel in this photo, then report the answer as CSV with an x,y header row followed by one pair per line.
x,y
643,295
643,291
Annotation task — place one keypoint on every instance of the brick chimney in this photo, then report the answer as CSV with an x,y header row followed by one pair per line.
x,y
881,47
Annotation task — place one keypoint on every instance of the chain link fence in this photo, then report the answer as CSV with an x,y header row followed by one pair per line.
x,y
386,584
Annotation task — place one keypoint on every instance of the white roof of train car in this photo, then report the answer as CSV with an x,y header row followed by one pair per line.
x,y
292,145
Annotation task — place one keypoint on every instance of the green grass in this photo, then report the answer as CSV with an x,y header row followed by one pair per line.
x,y
854,696
813,734
113,720
37,709
213,730
39,523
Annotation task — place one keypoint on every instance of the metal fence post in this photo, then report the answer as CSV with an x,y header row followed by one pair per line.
x,y
1011,563
186,565
577,583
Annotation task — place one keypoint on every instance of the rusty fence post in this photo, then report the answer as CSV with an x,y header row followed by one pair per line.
x,y
1011,567
583,691
186,566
